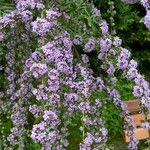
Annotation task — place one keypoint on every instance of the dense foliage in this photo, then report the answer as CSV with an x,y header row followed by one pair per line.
x,y
60,64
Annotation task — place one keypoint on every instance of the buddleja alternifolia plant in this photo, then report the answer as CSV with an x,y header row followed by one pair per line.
x,y
49,79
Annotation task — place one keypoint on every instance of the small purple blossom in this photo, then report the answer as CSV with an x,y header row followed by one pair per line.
x,y
90,45
85,58
137,91
41,26
77,40
117,41
38,69
26,16
104,27
39,132
52,15
1,36
95,11
147,19
105,45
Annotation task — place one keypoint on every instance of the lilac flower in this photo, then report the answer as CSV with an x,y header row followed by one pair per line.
x,y
35,110
54,100
145,101
146,125
104,27
26,16
85,58
95,11
122,64
144,3
90,45
125,53
39,132
133,64
117,41
88,141
37,56
132,73
139,79
84,106
51,52
41,26
101,56
98,103
71,101
50,118
39,6
29,62
52,15
123,59
67,43
8,20
111,69
100,84
147,19
133,144
105,45
40,93
23,5
52,137
38,69
63,67
77,40
104,131
137,91
53,81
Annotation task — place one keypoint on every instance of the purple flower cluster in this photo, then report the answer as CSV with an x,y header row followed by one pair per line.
x,y
50,118
46,132
141,88
95,11
41,26
105,46
23,5
8,21
104,27
39,132
40,93
117,41
147,19
36,110
145,3
77,40
90,45
26,16
85,58
71,101
123,59
52,15
38,69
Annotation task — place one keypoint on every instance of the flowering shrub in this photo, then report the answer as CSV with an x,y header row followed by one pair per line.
x,y
49,81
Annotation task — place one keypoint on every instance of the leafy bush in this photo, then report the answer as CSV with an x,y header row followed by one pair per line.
x,y
62,69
